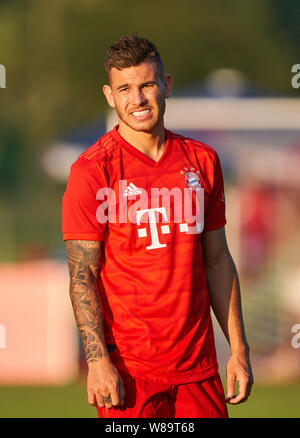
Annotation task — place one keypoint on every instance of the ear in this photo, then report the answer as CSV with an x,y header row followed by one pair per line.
x,y
109,96
168,84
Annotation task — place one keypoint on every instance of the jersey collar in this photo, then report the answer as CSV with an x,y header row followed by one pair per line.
x,y
140,155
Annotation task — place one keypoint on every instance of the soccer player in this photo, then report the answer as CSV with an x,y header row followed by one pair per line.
x,y
143,222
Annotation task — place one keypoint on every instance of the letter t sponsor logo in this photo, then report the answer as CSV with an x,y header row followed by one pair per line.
x,y
142,232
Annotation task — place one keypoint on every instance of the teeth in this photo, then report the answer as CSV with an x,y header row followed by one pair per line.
x,y
140,113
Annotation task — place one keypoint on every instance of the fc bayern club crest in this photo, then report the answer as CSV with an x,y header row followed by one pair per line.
x,y
192,178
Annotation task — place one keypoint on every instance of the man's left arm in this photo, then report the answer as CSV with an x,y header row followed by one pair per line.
x,y
225,297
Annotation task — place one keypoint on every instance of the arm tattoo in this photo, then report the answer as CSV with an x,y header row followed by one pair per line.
x,y
84,262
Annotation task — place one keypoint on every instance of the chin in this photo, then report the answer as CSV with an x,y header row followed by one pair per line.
x,y
147,126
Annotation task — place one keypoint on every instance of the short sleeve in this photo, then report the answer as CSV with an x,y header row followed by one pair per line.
x,y
214,216
79,205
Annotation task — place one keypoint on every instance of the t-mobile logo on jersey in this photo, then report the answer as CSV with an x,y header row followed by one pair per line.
x,y
165,229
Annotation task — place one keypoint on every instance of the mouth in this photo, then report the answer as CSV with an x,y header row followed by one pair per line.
x,y
142,114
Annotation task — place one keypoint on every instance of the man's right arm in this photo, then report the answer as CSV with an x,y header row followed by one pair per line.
x,y
103,382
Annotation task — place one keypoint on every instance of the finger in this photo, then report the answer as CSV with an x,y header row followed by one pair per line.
x,y
92,399
107,401
249,388
115,399
122,392
242,395
100,401
230,385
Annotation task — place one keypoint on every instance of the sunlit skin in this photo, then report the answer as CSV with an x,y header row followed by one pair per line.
x,y
136,89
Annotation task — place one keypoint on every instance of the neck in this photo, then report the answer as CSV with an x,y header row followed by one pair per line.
x,y
150,143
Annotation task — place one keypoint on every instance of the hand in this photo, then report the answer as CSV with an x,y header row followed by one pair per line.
x,y
239,369
104,384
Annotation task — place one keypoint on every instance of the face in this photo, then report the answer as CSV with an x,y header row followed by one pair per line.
x,y
138,94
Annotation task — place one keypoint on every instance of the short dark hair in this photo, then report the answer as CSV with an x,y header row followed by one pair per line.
x,y
131,50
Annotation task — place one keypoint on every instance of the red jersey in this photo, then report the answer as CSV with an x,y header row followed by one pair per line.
x,y
153,288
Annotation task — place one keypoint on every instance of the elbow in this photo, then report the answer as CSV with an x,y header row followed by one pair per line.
x,y
222,259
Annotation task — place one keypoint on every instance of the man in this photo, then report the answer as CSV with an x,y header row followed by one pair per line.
x,y
141,291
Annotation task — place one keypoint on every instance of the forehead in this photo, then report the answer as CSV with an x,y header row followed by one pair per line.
x,y
146,71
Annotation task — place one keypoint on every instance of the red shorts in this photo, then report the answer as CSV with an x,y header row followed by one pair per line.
x,y
144,399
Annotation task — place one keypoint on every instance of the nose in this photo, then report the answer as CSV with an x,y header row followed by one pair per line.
x,y
138,97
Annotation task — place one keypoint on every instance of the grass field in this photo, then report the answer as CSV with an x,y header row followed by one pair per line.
x,y
71,402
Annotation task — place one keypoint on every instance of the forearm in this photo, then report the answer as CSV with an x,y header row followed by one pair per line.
x,y
225,297
104,385
88,314
83,267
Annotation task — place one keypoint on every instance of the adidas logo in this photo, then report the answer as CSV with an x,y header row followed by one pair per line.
x,y
132,190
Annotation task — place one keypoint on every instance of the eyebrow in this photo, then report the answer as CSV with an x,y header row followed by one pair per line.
x,y
122,86
144,83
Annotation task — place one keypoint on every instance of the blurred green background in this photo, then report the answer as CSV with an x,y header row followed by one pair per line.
x,y
71,402
53,53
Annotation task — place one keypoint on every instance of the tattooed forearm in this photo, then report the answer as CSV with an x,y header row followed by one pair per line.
x,y
84,262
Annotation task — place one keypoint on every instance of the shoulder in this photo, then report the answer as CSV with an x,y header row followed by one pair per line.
x,y
98,154
102,150
196,146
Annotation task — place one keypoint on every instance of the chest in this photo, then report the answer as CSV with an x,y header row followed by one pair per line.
x,y
171,199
